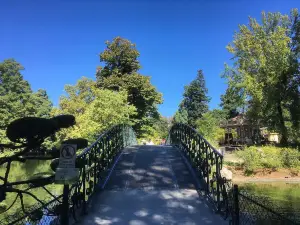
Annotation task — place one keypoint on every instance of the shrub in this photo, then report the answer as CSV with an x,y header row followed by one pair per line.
x,y
251,157
269,157
290,157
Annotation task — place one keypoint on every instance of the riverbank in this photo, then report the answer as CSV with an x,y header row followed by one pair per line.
x,y
264,175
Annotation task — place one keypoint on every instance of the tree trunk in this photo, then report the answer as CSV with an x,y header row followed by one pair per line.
x,y
282,127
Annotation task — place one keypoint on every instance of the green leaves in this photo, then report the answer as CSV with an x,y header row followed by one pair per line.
x,y
17,100
120,74
266,70
209,126
120,58
95,109
195,99
181,116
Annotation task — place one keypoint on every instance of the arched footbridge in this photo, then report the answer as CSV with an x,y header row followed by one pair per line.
x,y
123,183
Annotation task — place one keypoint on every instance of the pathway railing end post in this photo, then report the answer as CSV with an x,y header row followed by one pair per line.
x,y
236,210
65,205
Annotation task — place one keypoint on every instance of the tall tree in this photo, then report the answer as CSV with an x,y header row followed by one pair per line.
x,y
16,97
120,57
268,68
195,99
120,72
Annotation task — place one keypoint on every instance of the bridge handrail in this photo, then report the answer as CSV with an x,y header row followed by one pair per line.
x,y
207,162
91,172
92,162
204,139
240,206
98,139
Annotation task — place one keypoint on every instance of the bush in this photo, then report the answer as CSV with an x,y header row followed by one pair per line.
x,y
290,157
269,157
251,157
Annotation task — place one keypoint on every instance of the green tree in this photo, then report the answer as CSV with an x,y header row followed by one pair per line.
x,y
16,97
209,126
120,57
162,126
95,109
195,99
158,131
181,116
268,69
233,101
120,74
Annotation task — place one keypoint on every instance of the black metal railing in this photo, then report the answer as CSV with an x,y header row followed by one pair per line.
x,y
239,207
94,163
206,161
70,202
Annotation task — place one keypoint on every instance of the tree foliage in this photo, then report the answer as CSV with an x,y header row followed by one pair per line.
x,y
181,116
158,131
266,68
120,74
195,99
17,99
233,102
209,126
95,109
120,57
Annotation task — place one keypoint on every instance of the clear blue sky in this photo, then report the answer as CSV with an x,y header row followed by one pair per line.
x,y
59,41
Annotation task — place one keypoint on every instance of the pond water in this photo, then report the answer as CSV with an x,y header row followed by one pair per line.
x,y
24,171
284,195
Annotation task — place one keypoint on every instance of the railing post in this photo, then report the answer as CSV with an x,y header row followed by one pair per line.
x,y
65,205
236,210
207,168
84,189
218,182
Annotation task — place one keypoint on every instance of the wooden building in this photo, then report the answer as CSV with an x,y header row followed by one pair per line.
x,y
240,131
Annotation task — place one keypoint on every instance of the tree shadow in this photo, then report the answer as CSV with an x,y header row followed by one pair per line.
x,y
150,185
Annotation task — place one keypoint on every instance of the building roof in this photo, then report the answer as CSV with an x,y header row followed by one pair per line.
x,y
239,120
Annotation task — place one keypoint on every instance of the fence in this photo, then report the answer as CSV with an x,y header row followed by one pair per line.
x,y
249,209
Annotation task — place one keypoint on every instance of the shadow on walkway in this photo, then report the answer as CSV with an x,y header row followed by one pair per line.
x,y
150,185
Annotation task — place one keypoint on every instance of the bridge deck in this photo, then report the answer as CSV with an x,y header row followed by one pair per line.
x,y
150,185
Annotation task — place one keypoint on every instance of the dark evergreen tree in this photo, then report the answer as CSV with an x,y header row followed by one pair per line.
x,y
231,102
195,100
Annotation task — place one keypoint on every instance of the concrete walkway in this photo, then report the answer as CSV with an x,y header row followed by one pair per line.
x,y
150,185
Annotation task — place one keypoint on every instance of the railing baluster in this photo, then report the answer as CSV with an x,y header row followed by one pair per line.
x,y
218,176
65,206
236,219
84,186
